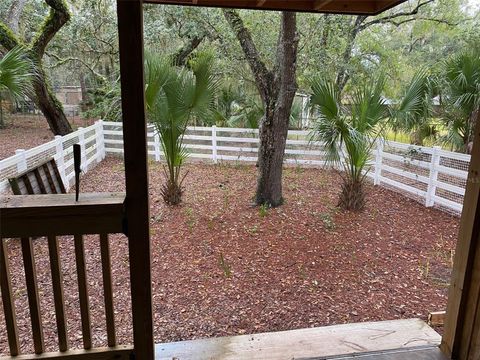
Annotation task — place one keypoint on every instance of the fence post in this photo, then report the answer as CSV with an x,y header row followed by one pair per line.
x,y
22,163
81,141
378,161
99,140
214,144
432,187
60,159
156,144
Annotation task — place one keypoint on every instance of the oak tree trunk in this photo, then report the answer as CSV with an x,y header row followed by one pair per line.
x,y
277,89
273,136
43,97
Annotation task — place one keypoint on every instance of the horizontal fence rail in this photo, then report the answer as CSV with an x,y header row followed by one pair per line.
x,y
433,176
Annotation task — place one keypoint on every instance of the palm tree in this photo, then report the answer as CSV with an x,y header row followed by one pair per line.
x,y
349,134
173,98
460,97
16,75
413,114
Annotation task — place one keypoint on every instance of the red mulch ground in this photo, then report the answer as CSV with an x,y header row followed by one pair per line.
x,y
303,264
28,131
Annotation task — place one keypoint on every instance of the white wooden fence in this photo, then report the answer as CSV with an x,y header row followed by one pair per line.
x,y
434,176
91,140
431,175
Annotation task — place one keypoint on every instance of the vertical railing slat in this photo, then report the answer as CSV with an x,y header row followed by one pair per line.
x,y
214,144
431,189
8,301
53,188
41,185
32,292
60,156
107,288
28,184
63,190
83,154
22,162
83,291
57,283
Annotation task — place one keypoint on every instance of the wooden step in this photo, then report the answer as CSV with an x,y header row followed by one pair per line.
x,y
416,353
312,343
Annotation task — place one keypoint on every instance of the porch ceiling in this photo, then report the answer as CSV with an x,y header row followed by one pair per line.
x,y
365,7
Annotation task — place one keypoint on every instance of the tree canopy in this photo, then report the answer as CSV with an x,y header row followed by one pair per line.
x,y
346,49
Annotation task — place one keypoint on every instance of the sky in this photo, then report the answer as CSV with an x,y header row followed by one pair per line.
x,y
474,5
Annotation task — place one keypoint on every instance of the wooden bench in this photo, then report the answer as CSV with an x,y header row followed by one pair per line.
x,y
43,179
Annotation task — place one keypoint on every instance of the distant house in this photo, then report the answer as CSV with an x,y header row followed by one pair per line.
x,y
71,99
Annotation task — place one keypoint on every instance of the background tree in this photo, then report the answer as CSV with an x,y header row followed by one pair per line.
x,y
277,88
44,97
460,82
414,113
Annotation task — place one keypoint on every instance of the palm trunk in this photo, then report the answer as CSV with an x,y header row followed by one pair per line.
x,y
352,196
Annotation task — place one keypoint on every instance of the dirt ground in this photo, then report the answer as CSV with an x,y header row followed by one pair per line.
x,y
223,267
28,131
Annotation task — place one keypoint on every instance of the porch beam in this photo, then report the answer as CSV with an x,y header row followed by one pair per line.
x,y
352,7
130,31
320,4
461,339
59,214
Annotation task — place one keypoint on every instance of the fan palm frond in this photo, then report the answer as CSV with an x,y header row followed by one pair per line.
x,y
461,97
16,73
173,97
349,137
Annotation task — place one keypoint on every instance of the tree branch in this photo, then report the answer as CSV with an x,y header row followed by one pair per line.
x,y
59,15
286,64
440,21
385,19
14,13
63,61
343,76
263,76
181,56
7,38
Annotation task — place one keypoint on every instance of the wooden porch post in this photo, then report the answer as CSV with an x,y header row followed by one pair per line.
x,y
130,30
461,339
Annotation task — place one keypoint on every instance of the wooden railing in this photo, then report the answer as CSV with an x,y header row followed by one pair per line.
x,y
52,216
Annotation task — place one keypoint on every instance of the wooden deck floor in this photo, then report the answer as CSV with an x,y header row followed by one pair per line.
x,y
385,340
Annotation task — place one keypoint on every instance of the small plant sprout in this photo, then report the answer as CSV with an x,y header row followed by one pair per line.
x,y
298,167
263,210
253,229
425,268
328,221
190,219
211,224
226,268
